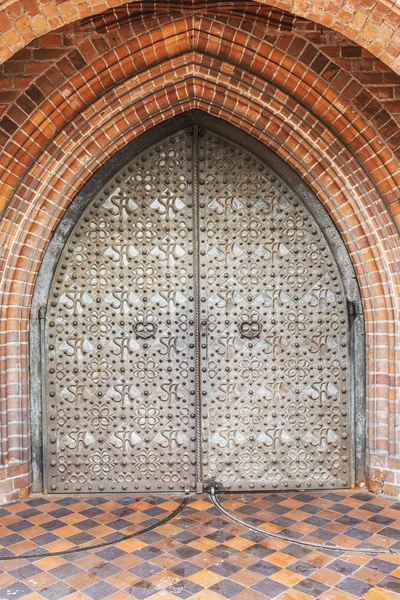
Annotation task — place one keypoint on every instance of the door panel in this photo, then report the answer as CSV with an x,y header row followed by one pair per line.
x,y
196,331
120,331
277,402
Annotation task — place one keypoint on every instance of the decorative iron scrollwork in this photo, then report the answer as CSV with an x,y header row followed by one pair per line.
x,y
144,329
250,329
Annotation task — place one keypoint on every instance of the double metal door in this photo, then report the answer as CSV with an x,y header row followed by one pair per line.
x,y
196,331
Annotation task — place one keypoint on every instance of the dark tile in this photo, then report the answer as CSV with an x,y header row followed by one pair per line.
x,y
220,536
25,571
141,590
374,508
60,512
65,571
303,568
149,552
269,587
132,500
377,564
316,521
100,590
247,510
119,524
341,508
259,550
150,537
363,497
310,509
92,512
184,523
68,501
279,510
185,589
28,513
110,553
222,551
20,525
185,537
354,586
324,535
217,523
296,550
343,567
227,588
225,568
145,570
53,525
304,498
185,569
81,538
58,590
37,501
390,532
87,524
283,522
264,568
390,583
186,552
10,540
358,534
44,539
350,521
97,501
105,570
381,520
16,590
155,511
311,586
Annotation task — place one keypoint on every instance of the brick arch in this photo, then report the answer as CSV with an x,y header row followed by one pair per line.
x,y
155,43
294,133
373,25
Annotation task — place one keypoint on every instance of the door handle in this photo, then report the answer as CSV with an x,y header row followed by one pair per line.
x,y
144,329
250,329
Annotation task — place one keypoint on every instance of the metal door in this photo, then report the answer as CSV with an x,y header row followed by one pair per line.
x,y
196,331
120,331
277,352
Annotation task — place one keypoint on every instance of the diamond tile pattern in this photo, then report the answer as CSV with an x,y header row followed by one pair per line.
x,y
52,524
202,555
345,518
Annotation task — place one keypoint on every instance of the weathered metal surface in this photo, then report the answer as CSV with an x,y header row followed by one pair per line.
x,y
121,407
196,317
277,402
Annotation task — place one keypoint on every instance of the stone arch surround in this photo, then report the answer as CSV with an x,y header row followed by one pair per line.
x,y
209,79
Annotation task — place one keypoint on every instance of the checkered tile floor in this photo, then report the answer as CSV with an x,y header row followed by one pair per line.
x,y
342,518
50,524
201,554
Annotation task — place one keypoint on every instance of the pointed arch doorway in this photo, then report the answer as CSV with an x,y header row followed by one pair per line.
x,y
196,328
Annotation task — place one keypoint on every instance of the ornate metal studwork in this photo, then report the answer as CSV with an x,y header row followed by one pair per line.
x,y
278,403
196,331
120,377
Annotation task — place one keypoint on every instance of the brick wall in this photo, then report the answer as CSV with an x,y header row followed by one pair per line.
x,y
329,107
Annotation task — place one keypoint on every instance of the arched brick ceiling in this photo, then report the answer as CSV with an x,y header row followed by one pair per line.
x,y
374,24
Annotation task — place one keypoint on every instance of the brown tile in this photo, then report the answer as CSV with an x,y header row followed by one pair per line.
x,y
380,594
250,595
205,578
247,578
327,577
286,577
